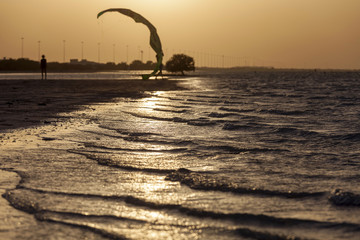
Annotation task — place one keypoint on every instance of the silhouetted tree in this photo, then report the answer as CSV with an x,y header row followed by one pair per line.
x,y
180,63
122,66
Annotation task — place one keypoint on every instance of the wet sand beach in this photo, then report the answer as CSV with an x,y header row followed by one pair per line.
x,y
30,110
30,102
236,155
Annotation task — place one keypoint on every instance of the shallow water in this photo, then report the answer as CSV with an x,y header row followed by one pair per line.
x,y
240,155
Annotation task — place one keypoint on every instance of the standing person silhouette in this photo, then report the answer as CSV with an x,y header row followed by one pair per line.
x,y
43,67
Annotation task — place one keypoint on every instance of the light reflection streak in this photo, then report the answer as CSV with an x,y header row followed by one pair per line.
x,y
154,190
152,101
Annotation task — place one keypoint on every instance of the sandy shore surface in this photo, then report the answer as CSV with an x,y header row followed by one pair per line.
x,y
25,103
31,113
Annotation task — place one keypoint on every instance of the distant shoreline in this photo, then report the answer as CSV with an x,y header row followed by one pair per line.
x,y
24,65
244,69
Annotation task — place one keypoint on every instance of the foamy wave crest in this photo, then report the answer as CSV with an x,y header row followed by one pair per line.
x,y
170,110
341,198
351,137
111,163
98,222
236,150
26,199
234,110
202,181
297,132
201,122
29,200
231,127
173,106
173,150
221,115
282,112
143,137
194,122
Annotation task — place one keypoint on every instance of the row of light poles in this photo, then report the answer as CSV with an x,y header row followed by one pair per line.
x,y
204,59
82,50
99,51
22,48
39,49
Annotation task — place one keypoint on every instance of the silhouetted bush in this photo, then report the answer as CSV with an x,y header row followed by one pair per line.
x,y
180,63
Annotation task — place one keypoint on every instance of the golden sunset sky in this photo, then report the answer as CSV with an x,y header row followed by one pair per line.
x,y
279,33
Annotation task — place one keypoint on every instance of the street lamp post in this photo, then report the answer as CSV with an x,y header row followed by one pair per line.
x,y
114,52
39,42
98,52
127,53
64,42
82,50
22,47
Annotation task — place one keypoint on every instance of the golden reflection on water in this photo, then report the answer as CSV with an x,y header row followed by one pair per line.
x,y
151,102
154,189
152,109
151,188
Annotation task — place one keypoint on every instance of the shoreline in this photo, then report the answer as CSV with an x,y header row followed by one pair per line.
x,y
29,111
10,216
75,166
25,103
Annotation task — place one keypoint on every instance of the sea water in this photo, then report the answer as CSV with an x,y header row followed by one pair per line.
x,y
239,155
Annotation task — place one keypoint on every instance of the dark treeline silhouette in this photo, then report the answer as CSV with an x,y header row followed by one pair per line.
x,y
180,63
27,65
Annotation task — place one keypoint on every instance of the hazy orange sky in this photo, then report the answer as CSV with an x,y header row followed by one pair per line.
x,y
280,33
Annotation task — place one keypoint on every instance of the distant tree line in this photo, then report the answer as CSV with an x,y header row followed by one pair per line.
x,y
177,63
23,64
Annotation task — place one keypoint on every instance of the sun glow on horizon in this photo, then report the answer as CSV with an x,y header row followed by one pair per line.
x,y
163,5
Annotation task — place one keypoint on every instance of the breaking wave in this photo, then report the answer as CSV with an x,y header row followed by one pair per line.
x,y
27,205
206,182
341,198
